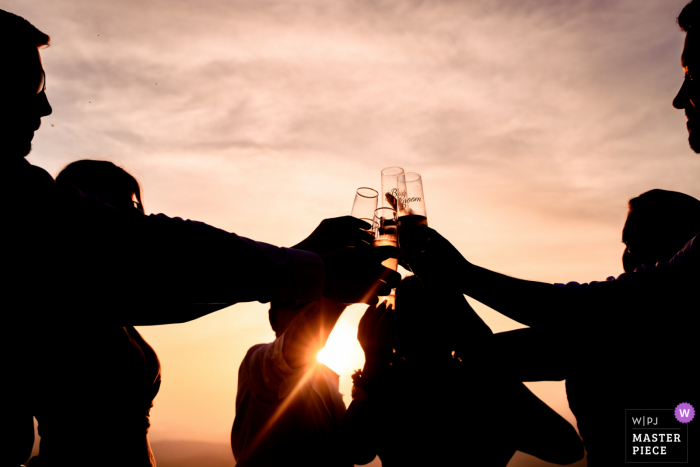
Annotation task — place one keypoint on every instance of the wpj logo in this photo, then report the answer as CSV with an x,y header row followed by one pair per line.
x,y
656,436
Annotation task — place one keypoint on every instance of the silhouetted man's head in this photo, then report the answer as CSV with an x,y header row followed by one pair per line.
x,y
659,223
283,312
22,84
688,97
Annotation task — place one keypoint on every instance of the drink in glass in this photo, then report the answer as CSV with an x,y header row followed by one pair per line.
x,y
411,203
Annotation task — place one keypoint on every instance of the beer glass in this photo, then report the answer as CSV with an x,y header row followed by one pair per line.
x,y
411,207
384,226
390,186
365,204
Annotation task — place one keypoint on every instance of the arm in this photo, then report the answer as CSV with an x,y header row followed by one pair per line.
x,y
555,304
531,355
83,254
20,435
360,427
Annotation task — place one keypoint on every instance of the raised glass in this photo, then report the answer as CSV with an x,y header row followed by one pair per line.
x,y
384,227
412,213
365,203
390,177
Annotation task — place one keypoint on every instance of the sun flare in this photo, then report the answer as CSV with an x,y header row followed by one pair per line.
x,y
342,352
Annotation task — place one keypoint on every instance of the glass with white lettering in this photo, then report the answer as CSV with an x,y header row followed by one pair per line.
x,y
390,177
411,203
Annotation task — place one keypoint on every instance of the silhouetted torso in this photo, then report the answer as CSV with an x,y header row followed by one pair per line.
x,y
299,412
92,390
637,358
439,413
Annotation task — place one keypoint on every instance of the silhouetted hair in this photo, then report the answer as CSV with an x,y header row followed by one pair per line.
x,y
107,181
659,223
17,30
278,305
689,16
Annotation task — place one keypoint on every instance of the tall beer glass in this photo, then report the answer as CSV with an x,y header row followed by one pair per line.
x,y
412,213
385,229
390,186
385,226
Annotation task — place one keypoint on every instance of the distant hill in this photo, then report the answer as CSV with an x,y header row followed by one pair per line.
x,y
202,454
192,454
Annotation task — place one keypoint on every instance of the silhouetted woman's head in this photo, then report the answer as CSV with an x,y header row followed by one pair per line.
x,y
112,184
659,223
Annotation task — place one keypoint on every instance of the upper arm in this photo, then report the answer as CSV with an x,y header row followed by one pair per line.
x,y
531,355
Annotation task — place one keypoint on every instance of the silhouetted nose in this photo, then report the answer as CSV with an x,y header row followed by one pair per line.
x,y
43,106
681,99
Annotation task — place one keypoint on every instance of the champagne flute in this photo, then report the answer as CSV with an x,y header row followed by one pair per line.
x,y
365,204
411,207
390,186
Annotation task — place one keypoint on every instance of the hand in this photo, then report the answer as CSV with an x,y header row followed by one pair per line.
x,y
356,275
374,332
336,233
431,253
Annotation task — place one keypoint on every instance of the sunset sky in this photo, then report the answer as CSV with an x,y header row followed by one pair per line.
x,y
532,123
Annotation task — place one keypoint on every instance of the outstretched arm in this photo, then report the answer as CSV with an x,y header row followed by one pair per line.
x,y
555,305
82,255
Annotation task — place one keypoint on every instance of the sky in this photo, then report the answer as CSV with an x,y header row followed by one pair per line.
x,y
532,122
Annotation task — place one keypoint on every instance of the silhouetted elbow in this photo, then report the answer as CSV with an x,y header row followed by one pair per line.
x,y
569,450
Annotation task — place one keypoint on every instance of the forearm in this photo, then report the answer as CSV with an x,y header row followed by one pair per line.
x,y
20,438
358,431
360,423
530,354
527,302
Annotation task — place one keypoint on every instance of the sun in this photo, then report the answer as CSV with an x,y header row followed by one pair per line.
x,y
342,352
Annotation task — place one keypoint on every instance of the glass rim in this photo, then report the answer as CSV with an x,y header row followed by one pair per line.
x,y
384,210
376,193
392,174
414,177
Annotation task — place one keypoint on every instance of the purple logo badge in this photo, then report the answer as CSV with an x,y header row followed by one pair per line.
x,y
684,412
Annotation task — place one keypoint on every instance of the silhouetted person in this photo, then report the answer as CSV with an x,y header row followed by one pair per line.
x,y
92,387
688,95
74,259
429,393
621,363
288,406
